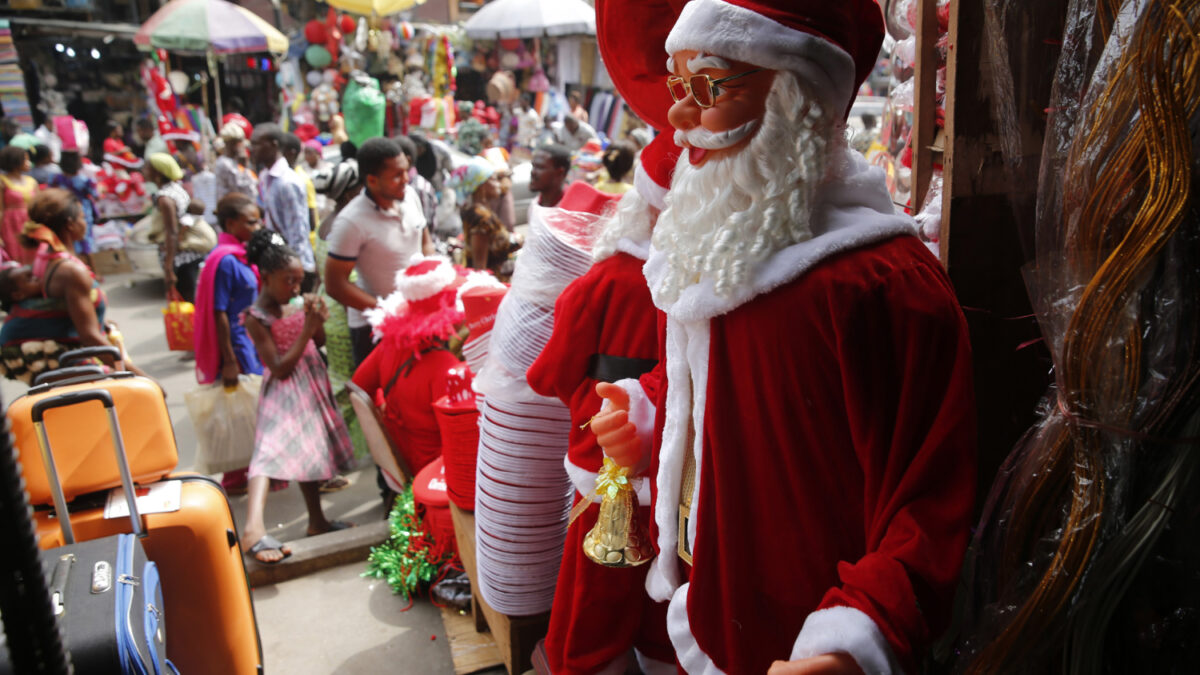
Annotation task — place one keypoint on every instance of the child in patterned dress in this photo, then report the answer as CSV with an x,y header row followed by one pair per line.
x,y
300,434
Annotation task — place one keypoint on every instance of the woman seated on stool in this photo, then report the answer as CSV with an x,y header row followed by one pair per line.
x,y
56,304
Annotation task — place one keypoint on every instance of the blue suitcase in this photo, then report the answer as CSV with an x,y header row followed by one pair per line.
x,y
105,594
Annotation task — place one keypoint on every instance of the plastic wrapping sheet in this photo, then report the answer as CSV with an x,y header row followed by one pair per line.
x,y
1072,561
558,249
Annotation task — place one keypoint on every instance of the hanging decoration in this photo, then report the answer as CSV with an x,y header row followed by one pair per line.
x,y
441,65
317,56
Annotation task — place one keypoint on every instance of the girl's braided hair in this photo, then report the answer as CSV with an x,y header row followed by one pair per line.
x,y
269,251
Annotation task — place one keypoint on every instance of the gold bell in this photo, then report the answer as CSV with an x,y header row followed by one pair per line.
x,y
619,538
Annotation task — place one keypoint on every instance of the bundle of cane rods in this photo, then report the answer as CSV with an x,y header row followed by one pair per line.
x,y
1118,254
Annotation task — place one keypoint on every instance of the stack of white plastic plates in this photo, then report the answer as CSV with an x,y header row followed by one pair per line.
x,y
522,496
475,351
522,492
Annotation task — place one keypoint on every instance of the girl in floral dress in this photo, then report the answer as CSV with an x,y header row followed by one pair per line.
x,y
300,434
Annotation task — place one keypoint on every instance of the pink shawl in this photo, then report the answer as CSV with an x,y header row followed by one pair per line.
x,y
208,352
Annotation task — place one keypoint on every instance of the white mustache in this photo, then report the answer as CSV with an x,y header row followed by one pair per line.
x,y
714,140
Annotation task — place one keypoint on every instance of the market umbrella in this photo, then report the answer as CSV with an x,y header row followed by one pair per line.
x,y
209,26
377,7
503,19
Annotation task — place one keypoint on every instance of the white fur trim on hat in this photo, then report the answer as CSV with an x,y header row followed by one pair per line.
x,y
421,286
121,161
476,279
650,190
722,29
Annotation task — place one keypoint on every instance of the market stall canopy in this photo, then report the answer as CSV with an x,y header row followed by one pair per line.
x,y
377,7
503,19
209,26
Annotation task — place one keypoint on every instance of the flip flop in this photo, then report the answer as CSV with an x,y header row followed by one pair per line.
x,y
268,543
334,484
334,526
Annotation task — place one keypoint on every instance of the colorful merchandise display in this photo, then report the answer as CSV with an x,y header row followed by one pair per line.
x,y
13,97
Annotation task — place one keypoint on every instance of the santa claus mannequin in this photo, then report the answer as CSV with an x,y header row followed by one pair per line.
x,y
813,436
605,329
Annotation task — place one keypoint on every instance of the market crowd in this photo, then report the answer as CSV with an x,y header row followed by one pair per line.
x,y
350,217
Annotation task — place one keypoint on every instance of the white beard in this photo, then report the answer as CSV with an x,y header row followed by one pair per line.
x,y
633,220
728,215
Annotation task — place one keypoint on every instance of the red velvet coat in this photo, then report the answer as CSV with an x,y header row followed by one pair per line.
x,y
837,464
598,612
606,311
409,411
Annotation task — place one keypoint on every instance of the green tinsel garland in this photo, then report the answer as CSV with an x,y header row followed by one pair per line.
x,y
403,561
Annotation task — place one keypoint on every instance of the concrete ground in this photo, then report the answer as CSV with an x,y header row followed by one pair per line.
x,y
331,621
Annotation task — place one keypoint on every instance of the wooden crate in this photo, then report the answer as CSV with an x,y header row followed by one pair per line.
x,y
515,636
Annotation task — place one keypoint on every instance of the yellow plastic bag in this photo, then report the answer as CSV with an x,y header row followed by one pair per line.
x,y
224,420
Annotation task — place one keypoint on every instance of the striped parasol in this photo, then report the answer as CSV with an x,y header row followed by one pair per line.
x,y
209,26
376,7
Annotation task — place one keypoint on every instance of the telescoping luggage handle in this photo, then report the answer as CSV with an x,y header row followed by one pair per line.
x,y
114,426
82,353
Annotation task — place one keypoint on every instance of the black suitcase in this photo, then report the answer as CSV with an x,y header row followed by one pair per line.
x,y
105,594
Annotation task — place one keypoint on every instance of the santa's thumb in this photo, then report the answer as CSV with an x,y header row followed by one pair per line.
x,y
615,396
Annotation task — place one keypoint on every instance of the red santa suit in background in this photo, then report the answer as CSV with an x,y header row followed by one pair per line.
x,y
605,329
814,436
411,366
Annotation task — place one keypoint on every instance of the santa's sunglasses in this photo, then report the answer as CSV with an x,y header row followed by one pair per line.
x,y
702,87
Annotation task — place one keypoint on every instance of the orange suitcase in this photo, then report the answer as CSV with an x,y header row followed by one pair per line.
x,y
213,628
195,546
81,437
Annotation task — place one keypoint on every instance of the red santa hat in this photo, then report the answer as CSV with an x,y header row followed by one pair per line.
x,y
580,197
423,308
656,165
832,46
630,35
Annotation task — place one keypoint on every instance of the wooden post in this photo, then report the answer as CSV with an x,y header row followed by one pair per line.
x,y
924,91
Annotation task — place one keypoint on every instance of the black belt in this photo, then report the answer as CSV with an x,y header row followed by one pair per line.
x,y
608,368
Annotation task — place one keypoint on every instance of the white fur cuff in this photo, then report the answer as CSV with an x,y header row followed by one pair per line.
x,y
641,413
848,631
585,483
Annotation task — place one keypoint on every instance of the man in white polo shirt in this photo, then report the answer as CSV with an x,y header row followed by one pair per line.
x,y
377,233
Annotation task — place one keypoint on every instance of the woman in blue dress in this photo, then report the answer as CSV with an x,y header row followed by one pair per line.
x,y
228,284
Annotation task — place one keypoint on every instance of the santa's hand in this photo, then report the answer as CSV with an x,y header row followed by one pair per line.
x,y
615,434
825,664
